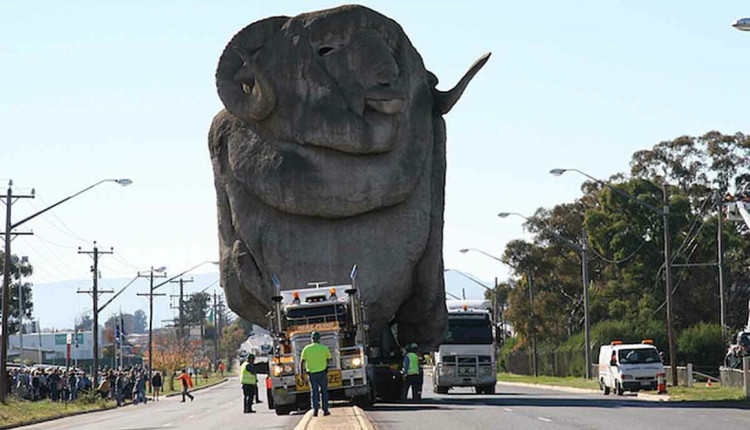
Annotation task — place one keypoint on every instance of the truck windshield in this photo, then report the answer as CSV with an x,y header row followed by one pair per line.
x,y
638,356
317,314
468,329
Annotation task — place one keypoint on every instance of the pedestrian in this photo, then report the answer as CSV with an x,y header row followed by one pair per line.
x,y
187,382
119,387
249,381
103,388
54,381
222,367
139,387
315,357
156,384
72,386
410,373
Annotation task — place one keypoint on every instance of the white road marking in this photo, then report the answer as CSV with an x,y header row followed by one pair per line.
x,y
190,416
546,420
508,410
167,425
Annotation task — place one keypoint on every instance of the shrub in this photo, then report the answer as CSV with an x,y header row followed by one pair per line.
x,y
701,345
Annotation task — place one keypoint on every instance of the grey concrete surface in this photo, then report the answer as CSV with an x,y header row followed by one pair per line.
x,y
215,408
533,408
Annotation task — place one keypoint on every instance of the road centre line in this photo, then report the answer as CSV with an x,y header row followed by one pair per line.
x,y
508,410
546,420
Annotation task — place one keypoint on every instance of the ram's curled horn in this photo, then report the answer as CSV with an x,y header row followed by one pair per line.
x,y
444,100
243,89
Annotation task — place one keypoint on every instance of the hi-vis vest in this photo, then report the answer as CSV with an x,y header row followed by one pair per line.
x,y
247,377
413,364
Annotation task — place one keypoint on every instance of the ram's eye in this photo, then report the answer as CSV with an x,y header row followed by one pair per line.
x,y
325,51
247,86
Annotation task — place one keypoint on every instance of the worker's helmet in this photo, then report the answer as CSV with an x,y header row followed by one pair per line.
x,y
250,357
315,336
411,347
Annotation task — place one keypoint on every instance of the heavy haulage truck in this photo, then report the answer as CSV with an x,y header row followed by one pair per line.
x,y
357,372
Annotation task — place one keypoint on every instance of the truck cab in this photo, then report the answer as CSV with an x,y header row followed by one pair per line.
x,y
629,367
335,313
466,358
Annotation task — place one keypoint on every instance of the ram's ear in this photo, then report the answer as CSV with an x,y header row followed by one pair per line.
x,y
245,91
444,100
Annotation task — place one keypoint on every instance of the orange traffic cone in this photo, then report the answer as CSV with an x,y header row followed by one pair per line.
x,y
661,384
708,383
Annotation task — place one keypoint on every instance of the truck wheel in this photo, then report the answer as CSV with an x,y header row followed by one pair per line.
x,y
618,389
283,410
603,387
490,389
441,389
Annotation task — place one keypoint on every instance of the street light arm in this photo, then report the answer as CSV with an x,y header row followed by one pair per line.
x,y
184,272
616,189
117,294
29,218
470,278
481,252
563,239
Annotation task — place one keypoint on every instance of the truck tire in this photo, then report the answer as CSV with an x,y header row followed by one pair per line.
x,y
603,387
618,389
441,389
491,389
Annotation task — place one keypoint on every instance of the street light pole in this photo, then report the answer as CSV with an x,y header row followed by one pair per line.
x,y
9,227
584,250
664,213
532,323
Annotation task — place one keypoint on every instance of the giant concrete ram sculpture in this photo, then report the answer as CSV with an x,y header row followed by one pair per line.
x,y
331,152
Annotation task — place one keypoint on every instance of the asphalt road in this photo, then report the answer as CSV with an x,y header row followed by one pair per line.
x,y
215,408
531,408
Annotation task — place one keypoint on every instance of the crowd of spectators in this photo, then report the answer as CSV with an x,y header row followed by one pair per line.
x,y
59,385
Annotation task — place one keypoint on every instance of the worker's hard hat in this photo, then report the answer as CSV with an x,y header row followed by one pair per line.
x,y
411,347
315,335
250,357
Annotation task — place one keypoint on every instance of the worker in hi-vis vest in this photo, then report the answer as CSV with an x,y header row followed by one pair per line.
x,y
249,381
411,373
315,357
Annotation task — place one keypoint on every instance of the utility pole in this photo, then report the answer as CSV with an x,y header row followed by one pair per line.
x,y
720,252
216,331
181,306
668,286
151,296
95,309
586,320
530,279
9,200
494,310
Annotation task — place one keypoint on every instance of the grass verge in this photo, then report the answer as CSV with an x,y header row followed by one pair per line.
x,y
572,382
19,412
199,382
701,393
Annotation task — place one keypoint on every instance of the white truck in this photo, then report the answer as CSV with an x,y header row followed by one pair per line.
x,y
337,314
629,367
466,358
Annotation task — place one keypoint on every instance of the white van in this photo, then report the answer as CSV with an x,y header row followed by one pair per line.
x,y
629,367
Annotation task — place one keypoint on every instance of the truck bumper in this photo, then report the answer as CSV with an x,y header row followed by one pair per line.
x,y
470,381
638,386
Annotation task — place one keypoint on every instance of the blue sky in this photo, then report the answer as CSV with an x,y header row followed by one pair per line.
x,y
91,90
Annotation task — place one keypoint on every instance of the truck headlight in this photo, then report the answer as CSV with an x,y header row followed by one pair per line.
x,y
486,370
288,369
277,370
351,363
626,376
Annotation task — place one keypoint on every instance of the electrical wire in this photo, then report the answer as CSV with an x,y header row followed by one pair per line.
x,y
631,255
